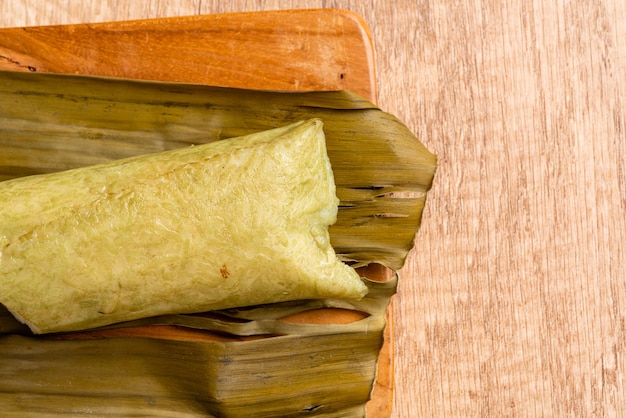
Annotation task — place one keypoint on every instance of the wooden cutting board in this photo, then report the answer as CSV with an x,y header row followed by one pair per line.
x,y
283,50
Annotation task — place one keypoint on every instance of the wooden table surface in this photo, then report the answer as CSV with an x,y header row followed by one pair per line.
x,y
514,301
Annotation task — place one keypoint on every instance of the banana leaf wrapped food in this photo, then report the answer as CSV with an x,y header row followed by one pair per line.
x,y
245,361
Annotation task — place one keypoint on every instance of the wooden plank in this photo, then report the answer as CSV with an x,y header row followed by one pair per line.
x,y
288,50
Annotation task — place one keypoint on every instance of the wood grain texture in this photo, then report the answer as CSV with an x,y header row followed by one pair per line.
x,y
513,303
226,50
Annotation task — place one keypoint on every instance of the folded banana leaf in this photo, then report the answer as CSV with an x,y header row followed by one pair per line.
x,y
236,364
280,360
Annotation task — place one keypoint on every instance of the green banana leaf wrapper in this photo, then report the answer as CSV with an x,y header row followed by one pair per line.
x,y
236,363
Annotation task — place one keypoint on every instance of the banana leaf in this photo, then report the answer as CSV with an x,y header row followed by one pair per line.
x,y
254,362
279,360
